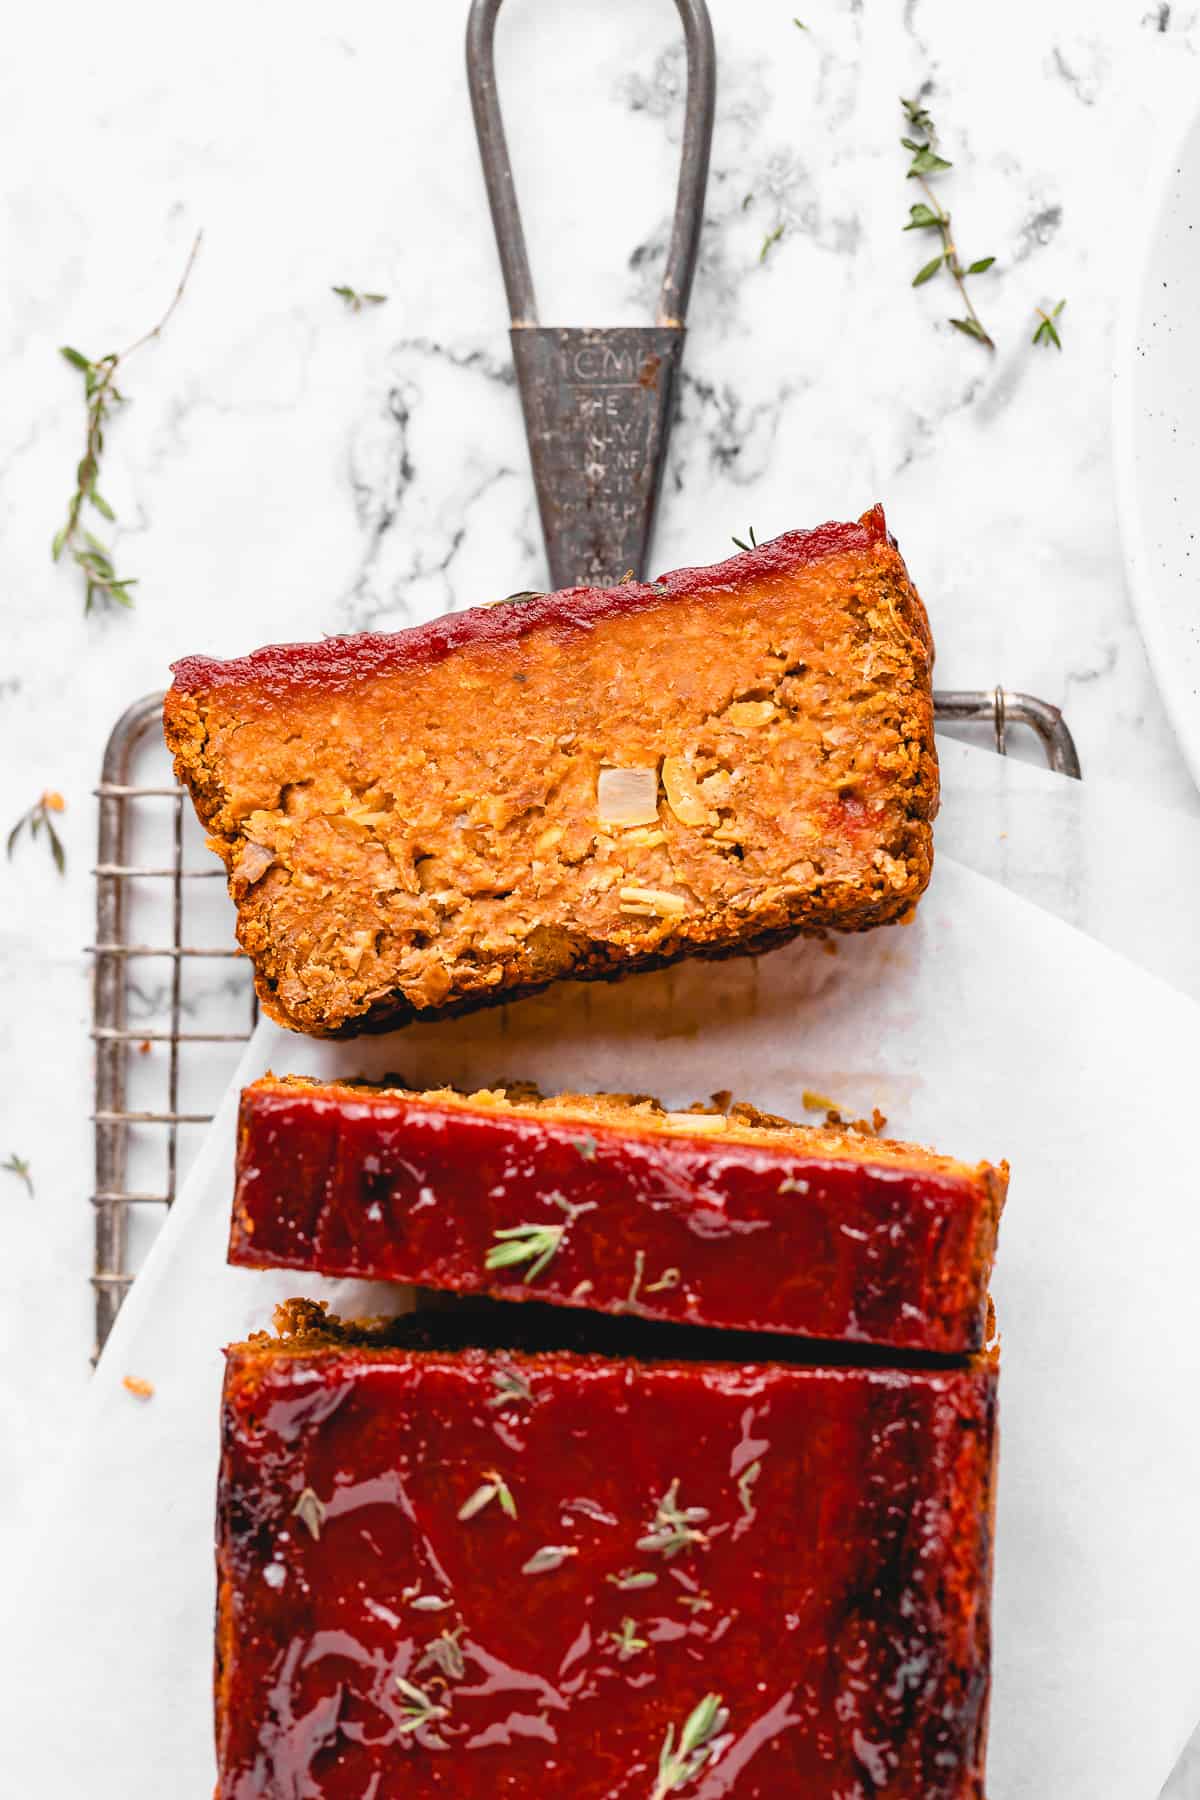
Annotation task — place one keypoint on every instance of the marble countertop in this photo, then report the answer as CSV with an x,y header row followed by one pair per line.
x,y
287,467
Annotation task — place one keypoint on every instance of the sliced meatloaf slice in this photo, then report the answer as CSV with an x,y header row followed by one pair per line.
x,y
609,1203
582,783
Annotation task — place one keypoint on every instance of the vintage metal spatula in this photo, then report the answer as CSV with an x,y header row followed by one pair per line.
x,y
598,400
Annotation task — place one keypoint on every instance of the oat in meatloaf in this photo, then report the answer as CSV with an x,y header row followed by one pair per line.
x,y
582,783
723,1217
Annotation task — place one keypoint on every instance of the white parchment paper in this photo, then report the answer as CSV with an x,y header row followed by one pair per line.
x,y
987,1028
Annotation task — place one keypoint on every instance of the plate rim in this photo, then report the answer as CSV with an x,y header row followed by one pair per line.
x,y
1182,713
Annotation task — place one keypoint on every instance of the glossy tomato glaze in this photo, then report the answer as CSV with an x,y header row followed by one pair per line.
x,y
699,1230
339,662
834,1591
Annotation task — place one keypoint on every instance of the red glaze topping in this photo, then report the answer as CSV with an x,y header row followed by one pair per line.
x,y
876,1245
819,1541
341,661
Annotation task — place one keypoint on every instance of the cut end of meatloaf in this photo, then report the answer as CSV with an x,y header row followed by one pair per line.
x,y
484,1571
720,1217
574,784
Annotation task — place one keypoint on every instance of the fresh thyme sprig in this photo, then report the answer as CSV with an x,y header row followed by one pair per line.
x,y
493,1487
674,1527
534,1244
1047,331
355,300
678,1766
34,821
17,1165
445,1653
101,396
626,1642
933,216
420,1709
769,243
511,1389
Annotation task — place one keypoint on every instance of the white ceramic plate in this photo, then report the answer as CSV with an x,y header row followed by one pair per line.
x,y
1157,436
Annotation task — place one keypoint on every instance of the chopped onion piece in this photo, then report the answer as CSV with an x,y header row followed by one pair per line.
x,y
627,796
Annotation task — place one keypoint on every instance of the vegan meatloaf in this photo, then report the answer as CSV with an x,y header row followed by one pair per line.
x,y
720,1217
482,1572
582,783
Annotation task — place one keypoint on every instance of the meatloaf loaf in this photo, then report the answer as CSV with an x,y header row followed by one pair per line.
x,y
582,783
512,1573
710,1217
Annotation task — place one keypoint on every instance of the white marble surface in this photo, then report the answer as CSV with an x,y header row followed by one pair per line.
x,y
287,468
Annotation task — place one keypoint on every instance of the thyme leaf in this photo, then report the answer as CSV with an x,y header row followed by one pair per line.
x,y
102,584
356,300
310,1511
493,1487
550,1556
918,118
1047,331
420,1709
673,1527
17,1165
39,818
973,329
511,1388
534,1244
929,215
629,1579
626,1641
679,1765
445,1654
769,243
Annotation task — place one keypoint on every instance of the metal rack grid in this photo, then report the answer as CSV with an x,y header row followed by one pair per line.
x,y
164,888
168,886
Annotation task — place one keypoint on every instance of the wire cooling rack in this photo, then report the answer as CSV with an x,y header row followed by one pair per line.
x,y
169,986
168,989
